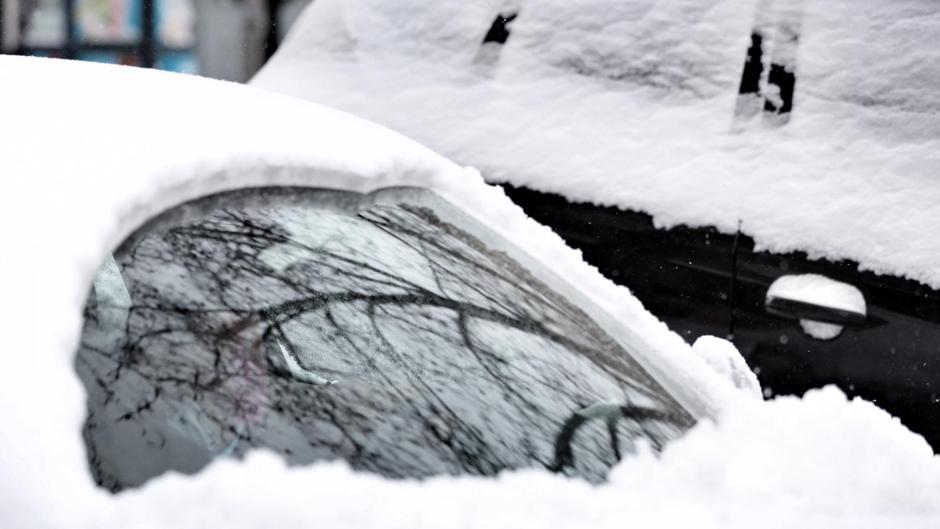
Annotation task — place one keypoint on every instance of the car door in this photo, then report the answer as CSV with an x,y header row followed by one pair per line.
x,y
887,357
702,282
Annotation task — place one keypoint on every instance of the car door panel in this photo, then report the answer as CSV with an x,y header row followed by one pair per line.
x,y
685,276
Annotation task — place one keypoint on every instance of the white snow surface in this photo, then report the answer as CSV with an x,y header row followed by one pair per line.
x,y
84,167
632,103
774,465
723,357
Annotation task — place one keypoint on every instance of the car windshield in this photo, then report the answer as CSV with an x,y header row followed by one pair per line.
x,y
377,329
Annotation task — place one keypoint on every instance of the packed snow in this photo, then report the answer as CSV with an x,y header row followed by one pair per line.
x,y
821,461
633,104
725,360
83,168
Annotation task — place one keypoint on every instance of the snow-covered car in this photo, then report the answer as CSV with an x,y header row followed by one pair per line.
x,y
696,151
175,278
262,272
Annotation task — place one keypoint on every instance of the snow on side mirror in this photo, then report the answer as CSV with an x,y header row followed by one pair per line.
x,y
723,357
822,305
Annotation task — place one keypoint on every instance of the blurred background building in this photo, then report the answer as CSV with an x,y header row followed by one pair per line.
x,y
224,39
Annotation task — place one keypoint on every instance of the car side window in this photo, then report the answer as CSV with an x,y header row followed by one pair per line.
x,y
377,329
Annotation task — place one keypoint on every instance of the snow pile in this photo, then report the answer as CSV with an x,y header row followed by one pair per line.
x,y
820,461
723,357
820,456
632,103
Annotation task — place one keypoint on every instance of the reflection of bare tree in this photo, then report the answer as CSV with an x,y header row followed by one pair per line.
x,y
447,357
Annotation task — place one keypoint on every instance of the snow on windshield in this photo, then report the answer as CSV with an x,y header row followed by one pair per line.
x,y
635,104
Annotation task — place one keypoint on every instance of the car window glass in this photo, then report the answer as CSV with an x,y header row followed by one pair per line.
x,y
381,330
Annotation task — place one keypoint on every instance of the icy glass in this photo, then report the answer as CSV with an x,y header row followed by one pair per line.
x,y
374,329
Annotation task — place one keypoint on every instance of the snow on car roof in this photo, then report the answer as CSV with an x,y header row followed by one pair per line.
x,y
125,144
633,104
89,152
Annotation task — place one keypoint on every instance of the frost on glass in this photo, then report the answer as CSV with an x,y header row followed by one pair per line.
x,y
325,326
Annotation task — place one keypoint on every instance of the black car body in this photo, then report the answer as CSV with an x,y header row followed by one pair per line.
x,y
700,281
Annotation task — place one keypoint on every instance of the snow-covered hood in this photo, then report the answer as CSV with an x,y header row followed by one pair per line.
x,y
632,103
84,166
